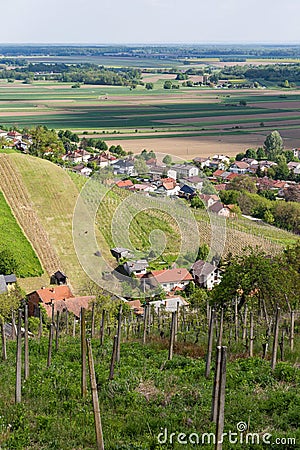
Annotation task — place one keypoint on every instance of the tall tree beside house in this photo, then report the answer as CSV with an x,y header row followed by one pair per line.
x,y
44,141
273,145
10,302
140,166
258,280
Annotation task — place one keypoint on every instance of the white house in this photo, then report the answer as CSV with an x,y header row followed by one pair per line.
x,y
295,167
168,187
296,152
205,274
239,167
185,170
202,162
172,279
170,303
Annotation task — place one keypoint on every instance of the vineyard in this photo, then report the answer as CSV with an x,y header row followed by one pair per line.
x,y
161,378
42,197
240,233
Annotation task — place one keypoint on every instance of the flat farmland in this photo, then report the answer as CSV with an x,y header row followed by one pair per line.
x,y
182,121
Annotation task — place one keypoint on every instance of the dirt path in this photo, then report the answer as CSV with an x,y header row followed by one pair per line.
x,y
17,197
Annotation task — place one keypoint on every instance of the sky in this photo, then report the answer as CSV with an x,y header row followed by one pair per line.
x,y
150,21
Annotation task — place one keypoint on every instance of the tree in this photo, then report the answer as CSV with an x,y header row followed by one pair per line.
x,y
260,153
273,145
256,279
242,183
251,153
149,86
229,197
8,263
268,217
167,160
44,141
240,156
10,302
101,145
168,84
203,252
292,193
140,166
196,202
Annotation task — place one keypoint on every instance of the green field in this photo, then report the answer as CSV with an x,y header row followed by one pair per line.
x,y
124,113
13,239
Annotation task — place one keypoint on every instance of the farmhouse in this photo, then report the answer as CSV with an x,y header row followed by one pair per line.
x,y
220,209
185,170
168,187
124,167
172,279
209,200
239,167
81,169
77,156
294,167
62,299
136,267
195,182
205,274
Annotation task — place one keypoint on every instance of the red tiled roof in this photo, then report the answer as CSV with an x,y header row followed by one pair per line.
x,y
218,173
73,305
56,293
124,183
171,275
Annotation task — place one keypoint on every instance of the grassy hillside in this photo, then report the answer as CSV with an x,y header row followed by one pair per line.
x,y
147,395
13,239
52,196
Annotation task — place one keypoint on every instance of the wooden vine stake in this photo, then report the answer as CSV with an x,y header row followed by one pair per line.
x,y
119,333
26,347
19,359
83,353
40,332
221,400
145,324
172,335
292,331
102,327
210,343
93,321
113,358
275,340
251,335
3,337
97,416
215,396
57,331
50,345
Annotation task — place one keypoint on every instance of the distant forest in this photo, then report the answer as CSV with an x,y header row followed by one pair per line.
x,y
224,52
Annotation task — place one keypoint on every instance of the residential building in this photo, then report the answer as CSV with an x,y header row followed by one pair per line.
x,y
60,297
172,279
296,152
170,304
294,167
77,156
124,167
124,184
120,252
168,186
201,162
219,209
196,182
185,170
205,274
136,267
187,192
239,167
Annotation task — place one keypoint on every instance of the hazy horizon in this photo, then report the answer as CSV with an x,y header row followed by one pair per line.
x,y
150,22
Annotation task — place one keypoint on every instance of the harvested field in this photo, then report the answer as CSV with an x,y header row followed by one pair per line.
x,y
190,147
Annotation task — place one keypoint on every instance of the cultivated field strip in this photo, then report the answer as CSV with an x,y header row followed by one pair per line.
x,y
17,197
